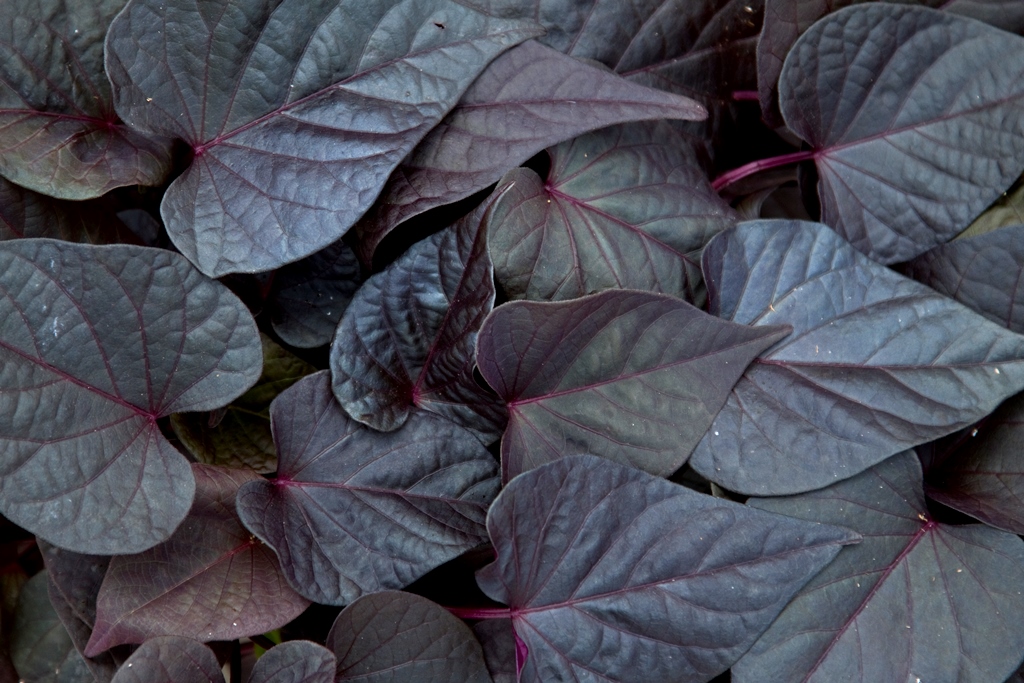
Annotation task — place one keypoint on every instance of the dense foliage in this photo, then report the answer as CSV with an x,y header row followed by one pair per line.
x,y
511,340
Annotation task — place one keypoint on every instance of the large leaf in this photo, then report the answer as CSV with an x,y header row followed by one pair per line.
x,y
42,651
353,510
96,344
631,376
24,213
876,363
59,134
297,111
296,661
392,637
407,339
529,98
916,121
210,581
612,574
915,601
171,659
625,207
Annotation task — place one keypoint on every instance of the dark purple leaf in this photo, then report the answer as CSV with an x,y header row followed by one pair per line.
x,y
297,661
297,111
407,339
309,296
499,646
626,207
393,637
59,134
24,213
96,344
915,120
353,510
530,98
876,363
42,651
171,659
211,580
613,574
631,376
914,601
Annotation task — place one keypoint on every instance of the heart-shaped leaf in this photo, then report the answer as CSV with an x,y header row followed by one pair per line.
x,y
296,110
916,121
626,207
170,659
876,363
97,343
407,339
631,376
353,510
296,661
59,134
24,213
42,651
392,637
613,574
916,600
211,580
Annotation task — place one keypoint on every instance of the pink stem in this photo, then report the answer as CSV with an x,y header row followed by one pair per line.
x,y
745,95
730,177
481,612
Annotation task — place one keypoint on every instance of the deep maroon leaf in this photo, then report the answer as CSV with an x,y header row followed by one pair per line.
x,y
42,651
96,344
353,510
530,98
297,661
171,659
498,643
393,637
612,574
24,213
59,134
626,207
916,121
876,363
631,376
914,601
211,580
297,111
407,339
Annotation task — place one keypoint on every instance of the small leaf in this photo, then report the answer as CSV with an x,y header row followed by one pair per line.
x,y
170,659
42,651
296,661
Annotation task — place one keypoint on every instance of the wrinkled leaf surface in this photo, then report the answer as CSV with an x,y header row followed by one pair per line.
x,y
295,661
170,659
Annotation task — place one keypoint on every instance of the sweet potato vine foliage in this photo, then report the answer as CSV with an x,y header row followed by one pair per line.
x,y
511,341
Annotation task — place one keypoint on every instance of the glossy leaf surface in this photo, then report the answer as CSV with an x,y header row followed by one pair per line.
x,y
353,510
631,376
42,651
98,343
626,208
402,638
170,659
914,600
297,111
617,575
295,661
916,118
876,363
210,581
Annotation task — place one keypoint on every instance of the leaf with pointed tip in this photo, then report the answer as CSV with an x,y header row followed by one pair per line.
x,y
171,659
42,651
211,580
296,661
876,363
625,207
915,600
613,574
353,510
407,339
529,98
97,344
393,637
297,111
915,117
24,213
632,376
242,438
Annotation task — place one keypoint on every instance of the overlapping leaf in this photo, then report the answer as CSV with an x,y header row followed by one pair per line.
x,y
296,661
353,510
916,119
625,207
915,600
41,649
297,111
24,213
616,575
59,134
96,344
171,659
1007,210
632,376
876,363
212,580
